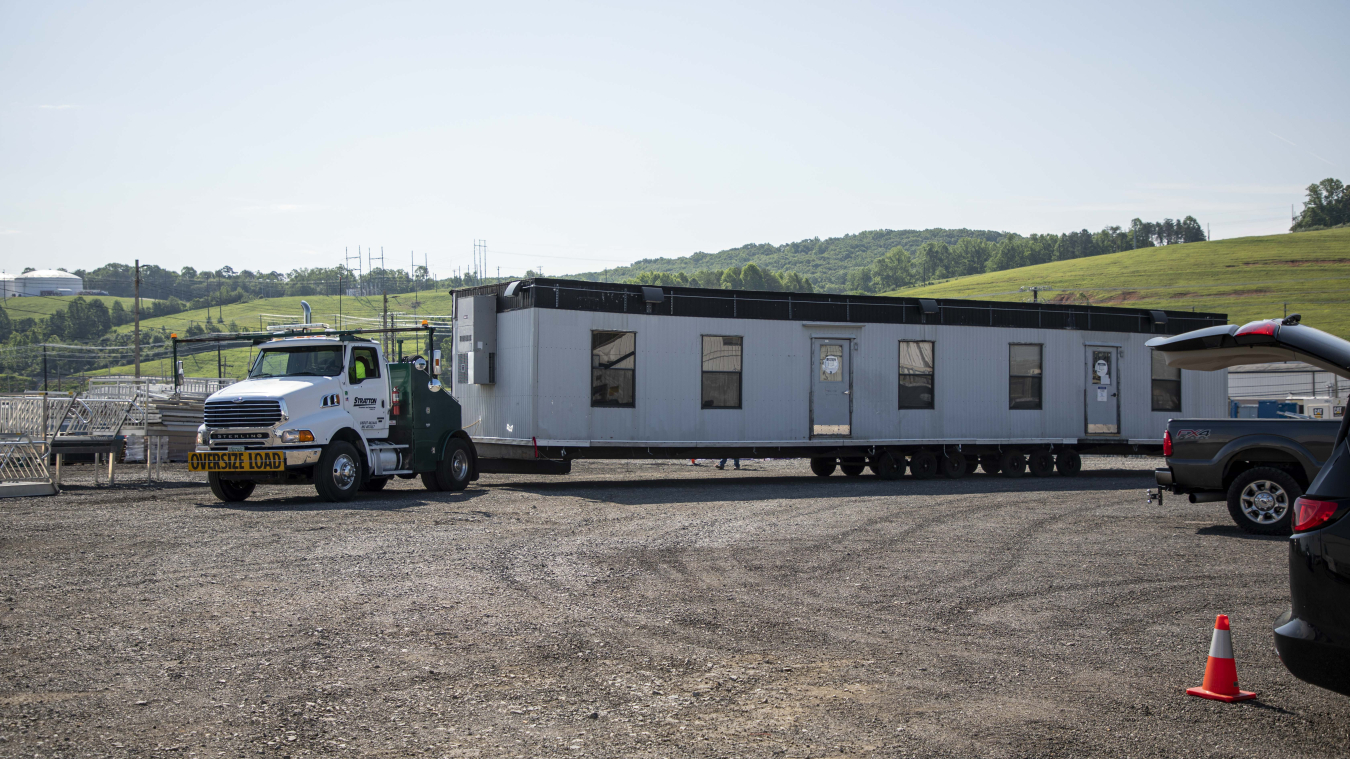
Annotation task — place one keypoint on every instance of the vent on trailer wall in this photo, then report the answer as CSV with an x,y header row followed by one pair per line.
x,y
476,339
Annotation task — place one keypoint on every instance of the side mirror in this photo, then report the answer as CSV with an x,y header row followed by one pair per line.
x,y
434,385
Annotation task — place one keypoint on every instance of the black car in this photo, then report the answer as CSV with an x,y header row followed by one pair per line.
x,y
1313,637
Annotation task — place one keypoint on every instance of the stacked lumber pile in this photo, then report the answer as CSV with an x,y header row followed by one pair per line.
x,y
177,420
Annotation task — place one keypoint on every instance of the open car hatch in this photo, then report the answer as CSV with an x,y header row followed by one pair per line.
x,y
1258,342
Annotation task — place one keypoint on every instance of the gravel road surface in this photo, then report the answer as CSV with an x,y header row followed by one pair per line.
x,y
644,609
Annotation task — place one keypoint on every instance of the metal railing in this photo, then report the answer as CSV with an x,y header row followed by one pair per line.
x,y
23,459
26,414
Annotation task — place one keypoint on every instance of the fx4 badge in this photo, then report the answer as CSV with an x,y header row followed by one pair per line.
x,y
1192,434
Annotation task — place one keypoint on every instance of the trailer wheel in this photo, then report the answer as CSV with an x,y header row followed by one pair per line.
x,y
1261,501
887,467
230,491
456,467
375,484
822,467
923,465
1012,464
953,465
337,476
852,469
1069,463
989,464
1042,464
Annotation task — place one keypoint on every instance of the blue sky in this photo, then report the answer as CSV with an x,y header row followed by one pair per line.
x,y
577,136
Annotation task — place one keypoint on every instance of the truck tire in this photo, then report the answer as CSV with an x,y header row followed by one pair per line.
x,y
1261,501
375,484
337,476
923,465
887,467
230,491
1069,463
1012,464
431,482
953,465
823,467
456,466
989,464
852,468
1041,463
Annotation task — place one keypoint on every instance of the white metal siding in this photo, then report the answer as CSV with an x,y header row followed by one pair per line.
x,y
971,382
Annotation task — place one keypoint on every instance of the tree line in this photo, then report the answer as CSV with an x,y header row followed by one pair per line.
x,y
748,277
1327,206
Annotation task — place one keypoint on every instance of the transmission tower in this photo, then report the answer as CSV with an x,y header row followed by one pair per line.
x,y
480,259
347,263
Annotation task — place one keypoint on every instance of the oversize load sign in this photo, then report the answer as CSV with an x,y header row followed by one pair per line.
x,y
237,461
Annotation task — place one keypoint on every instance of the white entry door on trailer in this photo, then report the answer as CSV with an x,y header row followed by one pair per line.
x,y
1103,390
831,388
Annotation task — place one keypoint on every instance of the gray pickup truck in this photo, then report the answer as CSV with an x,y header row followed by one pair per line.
x,y
1259,466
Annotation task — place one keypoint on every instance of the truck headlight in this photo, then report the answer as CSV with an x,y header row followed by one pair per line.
x,y
297,436
203,437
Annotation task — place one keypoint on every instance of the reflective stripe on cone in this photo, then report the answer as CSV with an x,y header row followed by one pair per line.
x,y
1221,680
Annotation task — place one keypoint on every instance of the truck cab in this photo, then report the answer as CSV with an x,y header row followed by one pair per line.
x,y
328,409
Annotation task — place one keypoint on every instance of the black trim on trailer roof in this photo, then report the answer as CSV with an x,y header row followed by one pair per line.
x,y
609,297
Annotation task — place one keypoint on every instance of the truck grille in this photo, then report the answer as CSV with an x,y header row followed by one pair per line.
x,y
242,413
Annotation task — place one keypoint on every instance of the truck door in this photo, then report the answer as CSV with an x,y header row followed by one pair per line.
x,y
367,396
831,387
1103,390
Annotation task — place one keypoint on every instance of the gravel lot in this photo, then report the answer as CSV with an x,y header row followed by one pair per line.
x,y
644,609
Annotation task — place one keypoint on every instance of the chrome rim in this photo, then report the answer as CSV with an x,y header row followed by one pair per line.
x,y
1264,502
459,466
344,471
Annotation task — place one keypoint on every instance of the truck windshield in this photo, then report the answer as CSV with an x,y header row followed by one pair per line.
x,y
298,361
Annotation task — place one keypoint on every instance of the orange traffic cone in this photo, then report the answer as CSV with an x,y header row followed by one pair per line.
x,y
1221,682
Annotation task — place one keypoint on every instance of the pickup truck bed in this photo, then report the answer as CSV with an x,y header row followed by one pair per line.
x,y
1259,466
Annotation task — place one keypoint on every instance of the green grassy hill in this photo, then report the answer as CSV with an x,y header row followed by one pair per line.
x,y
355,311
1247,278
46,305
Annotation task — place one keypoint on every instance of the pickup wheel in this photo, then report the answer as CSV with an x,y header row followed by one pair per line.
x,y
1069,463
1261,501
456,466
375,484
823,467
230,491
337,476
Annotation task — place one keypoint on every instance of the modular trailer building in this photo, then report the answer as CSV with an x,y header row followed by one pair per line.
x,y
550,370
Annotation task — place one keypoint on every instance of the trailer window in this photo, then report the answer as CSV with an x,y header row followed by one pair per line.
x,y
722,371
612,363
916,374
1024,377
1166,385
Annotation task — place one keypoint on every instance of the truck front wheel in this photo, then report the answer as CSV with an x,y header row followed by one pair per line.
x,y
1261,501
337,476
230,491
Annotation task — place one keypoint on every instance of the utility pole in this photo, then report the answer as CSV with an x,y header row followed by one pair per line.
x,y
384,321
44,368
136,331
219,374
339,324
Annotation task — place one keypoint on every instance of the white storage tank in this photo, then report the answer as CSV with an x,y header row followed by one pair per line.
x,y
49,282
9,287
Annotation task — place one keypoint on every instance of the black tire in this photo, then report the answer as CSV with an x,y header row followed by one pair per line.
x,y
230,491
1069,463
1041,463
823,467
431,482
1012,464
455,469
923,465
1261,501
953,465
337,476
852,469
989,464
888,467
375,484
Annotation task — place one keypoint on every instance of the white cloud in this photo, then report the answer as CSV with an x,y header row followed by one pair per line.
x,y
10,232
57,107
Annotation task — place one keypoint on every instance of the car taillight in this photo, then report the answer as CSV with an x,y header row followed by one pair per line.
x,y
1167,442
1309,513
1265,327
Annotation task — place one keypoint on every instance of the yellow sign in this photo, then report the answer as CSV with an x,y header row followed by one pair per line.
x,y
237,461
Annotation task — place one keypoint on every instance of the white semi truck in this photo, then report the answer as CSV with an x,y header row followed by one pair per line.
x,y
325,407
